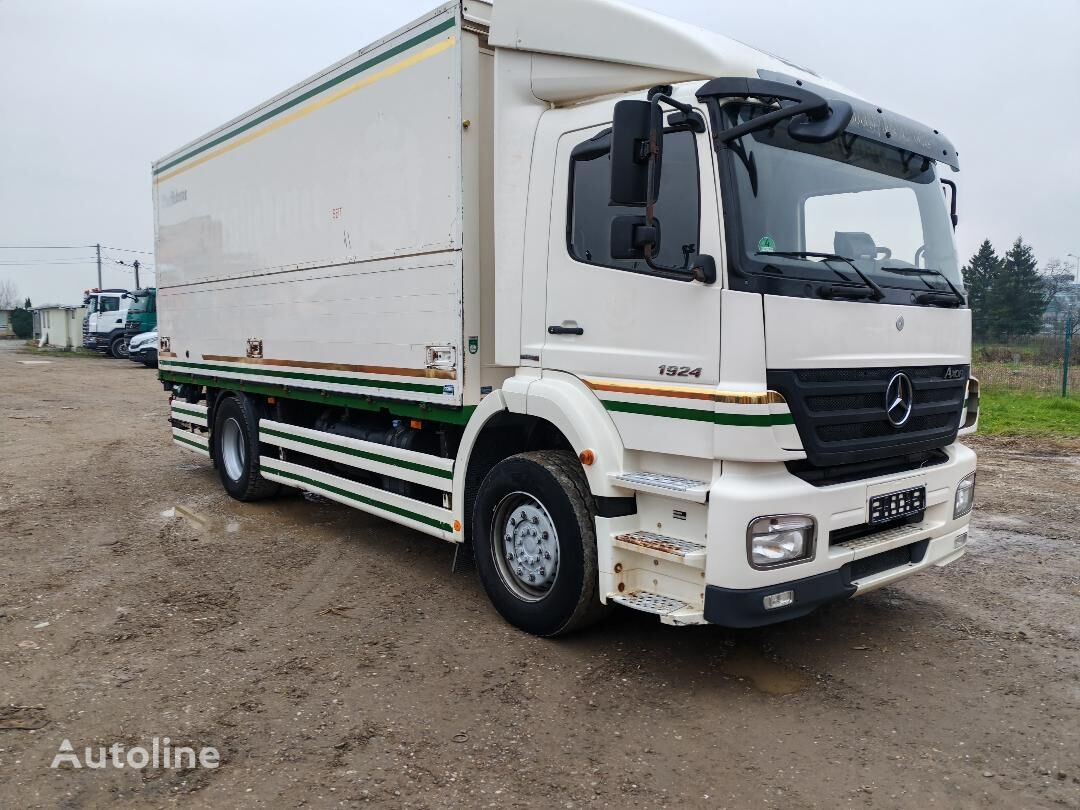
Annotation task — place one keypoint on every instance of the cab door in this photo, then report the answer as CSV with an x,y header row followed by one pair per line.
x,y
646,341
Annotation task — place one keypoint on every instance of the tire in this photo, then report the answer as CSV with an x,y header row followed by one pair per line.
x,y
530,497
118,347
235,447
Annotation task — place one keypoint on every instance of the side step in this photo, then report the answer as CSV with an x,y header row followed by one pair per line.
x,y
672,486
683,552
670,611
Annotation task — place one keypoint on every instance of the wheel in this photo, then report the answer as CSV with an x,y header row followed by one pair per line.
x,y
236,450
118,347
534,539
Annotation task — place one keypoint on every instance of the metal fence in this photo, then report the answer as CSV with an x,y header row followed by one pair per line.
x,y
1034,364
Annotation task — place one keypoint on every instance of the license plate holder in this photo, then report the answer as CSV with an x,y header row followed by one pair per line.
x,y
893,505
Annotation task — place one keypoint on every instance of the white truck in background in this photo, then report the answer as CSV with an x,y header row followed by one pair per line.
x,y
644,315
103,326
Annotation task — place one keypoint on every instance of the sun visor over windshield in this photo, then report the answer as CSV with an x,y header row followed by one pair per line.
x,y
879,124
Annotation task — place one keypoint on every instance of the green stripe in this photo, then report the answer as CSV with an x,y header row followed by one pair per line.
x,y
408,465
288,105
189,413
324,378
449,414
738,419
189,441
397,510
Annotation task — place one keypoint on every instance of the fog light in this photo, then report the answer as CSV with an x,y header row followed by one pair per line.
x,y
780,540
965,497
960,540
779,600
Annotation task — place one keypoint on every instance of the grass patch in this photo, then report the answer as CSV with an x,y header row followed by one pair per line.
x,y
31,347
1016,413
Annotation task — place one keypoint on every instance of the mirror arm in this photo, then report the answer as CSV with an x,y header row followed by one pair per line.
x,y
952,202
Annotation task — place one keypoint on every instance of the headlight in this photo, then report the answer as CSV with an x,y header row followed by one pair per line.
x,y
780,540
965,497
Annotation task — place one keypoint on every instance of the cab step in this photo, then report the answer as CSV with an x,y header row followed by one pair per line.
x,y
684,552
670,611
672,486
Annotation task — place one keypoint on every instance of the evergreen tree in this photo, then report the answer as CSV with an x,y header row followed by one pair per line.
x,y
1020,295
980,274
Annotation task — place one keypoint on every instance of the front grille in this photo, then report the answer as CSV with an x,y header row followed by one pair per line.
x,y
886,561
840,413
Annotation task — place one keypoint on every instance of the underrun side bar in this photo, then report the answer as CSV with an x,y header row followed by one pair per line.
x,y
418,515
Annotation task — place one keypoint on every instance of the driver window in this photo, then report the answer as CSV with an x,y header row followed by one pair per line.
x,y
885,219
677,207
110,304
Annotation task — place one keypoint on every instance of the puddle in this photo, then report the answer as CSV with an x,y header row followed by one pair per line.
x,y
765,675
201,521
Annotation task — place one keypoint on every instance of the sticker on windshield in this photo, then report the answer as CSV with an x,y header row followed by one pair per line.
x,y
766,244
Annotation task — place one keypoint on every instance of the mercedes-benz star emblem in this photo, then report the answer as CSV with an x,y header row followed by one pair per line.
x,y
899,399
900,324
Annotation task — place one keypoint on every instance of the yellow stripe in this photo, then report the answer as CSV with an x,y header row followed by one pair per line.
x,y
690,392
337,95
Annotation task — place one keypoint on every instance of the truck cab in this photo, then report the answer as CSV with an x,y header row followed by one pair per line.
x,y
103,327
141,313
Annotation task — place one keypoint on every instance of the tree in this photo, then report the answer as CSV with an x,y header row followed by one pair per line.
x,y
22,322
1064,307
1018,296
9,295
980,275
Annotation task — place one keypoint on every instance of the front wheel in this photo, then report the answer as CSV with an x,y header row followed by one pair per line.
x,y
235,448
118,348
534,539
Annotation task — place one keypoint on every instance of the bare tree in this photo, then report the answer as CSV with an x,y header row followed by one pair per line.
x,y
9,294
1064,296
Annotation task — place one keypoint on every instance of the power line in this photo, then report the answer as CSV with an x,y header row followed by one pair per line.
x,y
45,247
74,247
128,250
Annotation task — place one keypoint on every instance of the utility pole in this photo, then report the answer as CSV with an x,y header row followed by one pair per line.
x,y
1065,364
136,266
99,266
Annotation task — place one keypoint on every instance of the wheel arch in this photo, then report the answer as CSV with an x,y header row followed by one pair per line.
x,y
550,413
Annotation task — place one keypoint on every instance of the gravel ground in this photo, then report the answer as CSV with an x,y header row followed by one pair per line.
x,y
333,658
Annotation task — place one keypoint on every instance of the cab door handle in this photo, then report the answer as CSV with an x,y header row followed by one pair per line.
x,y
565,330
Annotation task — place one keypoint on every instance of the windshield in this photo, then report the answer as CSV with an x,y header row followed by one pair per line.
x,y
90,303
879,206
142,303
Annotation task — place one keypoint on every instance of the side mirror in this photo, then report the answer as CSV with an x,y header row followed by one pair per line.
x,y
704,269
632,129
630,236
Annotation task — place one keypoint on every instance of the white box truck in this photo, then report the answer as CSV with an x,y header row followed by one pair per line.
x,y
639,313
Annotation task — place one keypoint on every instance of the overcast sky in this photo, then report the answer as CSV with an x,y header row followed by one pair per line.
x,y
92,92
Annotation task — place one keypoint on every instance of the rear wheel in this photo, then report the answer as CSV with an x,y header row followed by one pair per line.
x,y
236,450
535,543
118,347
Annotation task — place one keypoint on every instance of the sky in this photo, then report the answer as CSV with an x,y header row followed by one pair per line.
x,y
92,92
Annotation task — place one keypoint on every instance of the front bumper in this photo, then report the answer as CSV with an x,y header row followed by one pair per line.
x,y
837,570
746,607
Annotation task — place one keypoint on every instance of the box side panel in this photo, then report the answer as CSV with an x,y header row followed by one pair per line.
x,y
326,228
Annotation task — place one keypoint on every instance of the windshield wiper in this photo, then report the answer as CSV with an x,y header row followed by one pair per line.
x,y
932,295
831,290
